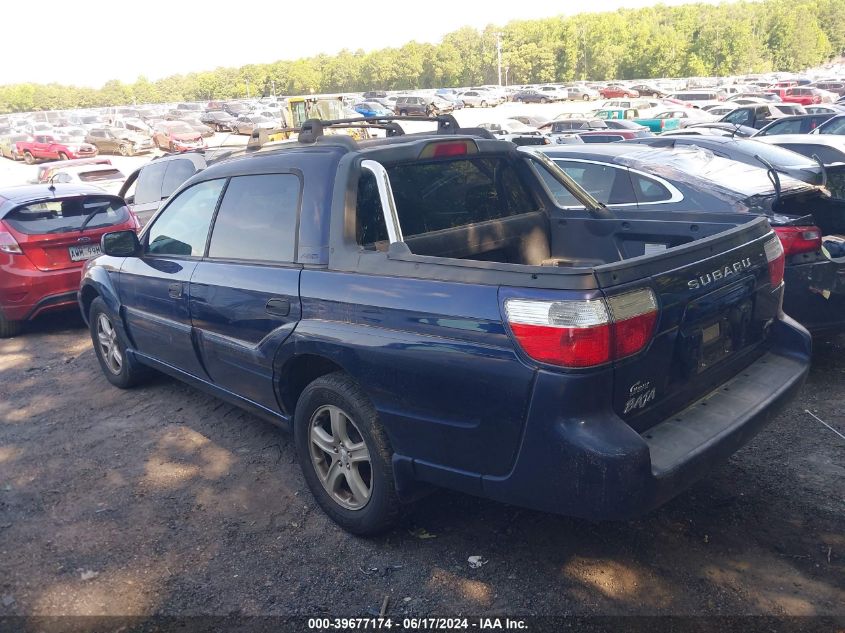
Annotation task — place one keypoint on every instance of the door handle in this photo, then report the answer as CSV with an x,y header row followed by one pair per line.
x,y
278,307
175,289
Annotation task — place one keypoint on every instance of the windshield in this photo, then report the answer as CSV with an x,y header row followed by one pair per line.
x,y
67,214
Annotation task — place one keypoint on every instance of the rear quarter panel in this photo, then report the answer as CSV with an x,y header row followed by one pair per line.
x,y
434,358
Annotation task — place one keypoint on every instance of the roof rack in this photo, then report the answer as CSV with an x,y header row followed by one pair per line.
x,y
312,129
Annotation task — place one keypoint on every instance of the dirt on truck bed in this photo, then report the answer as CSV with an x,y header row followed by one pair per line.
x,y
163,500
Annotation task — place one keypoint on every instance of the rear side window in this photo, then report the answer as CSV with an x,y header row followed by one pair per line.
x,y
182,227
440,195
257,219
648,190
58,216
178,171
148,185
601,138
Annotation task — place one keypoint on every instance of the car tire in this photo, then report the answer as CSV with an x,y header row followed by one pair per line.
x,y
543,100
28,158
8,328
110,348
483,104
63,156
125,150
336,402
403,113
586,97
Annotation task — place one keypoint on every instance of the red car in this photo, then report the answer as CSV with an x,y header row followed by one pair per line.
x,y
802,95
46,235
614,91
47,146
176,136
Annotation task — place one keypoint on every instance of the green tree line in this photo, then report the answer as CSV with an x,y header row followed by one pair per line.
x,y
691,40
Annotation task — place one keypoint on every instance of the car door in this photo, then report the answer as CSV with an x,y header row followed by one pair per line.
x,y
154,288
245,294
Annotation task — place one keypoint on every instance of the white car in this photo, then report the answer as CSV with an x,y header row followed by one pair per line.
x,y
581,93
555,93
516,132
106,177
477,99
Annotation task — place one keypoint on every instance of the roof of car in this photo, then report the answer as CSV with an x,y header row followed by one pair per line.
x,y
596,151
32,192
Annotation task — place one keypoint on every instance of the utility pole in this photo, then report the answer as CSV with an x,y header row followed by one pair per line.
x,y
499,55
247,88
273,81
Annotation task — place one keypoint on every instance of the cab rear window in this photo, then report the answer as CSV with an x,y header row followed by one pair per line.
x,y
443,194
68,214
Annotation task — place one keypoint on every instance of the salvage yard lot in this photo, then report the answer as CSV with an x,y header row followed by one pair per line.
x,y
165,500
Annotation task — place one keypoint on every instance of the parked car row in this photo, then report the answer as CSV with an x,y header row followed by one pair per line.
x,y
540,285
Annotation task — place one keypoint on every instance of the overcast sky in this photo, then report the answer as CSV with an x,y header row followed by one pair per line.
x,y
88,42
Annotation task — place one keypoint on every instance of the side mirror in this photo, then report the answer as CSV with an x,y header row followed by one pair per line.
x,y
120,244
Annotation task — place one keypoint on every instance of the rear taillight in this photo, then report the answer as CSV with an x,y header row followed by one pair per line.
x,y
775,259
583,333
8,244
799,239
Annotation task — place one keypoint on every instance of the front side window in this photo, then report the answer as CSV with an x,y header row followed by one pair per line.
x,y
182,227
257,219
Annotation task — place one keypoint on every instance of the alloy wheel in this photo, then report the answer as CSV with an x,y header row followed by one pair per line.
x,y
340,457
109,348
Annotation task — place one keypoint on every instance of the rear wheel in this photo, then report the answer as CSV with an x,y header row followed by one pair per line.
x,y
110,348
543,100
586,97
29,159
345,456
9,328
483,104
125,150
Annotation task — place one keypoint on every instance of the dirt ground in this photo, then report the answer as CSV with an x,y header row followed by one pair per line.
x,y
165,500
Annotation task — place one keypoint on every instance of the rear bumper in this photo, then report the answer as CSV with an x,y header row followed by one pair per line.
x,y
24,294
814,295
595,466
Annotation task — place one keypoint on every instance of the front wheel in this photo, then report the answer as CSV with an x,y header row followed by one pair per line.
x,y
544,100
483,104
125,150
110,349
345,455
63,156
586,97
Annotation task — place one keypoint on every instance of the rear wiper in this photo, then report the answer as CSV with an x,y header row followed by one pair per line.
x,y
773,176
90,216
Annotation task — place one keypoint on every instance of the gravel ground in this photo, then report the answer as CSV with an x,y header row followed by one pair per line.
x,y
165,500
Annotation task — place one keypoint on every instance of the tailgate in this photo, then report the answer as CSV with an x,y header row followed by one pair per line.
x,y
716,304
